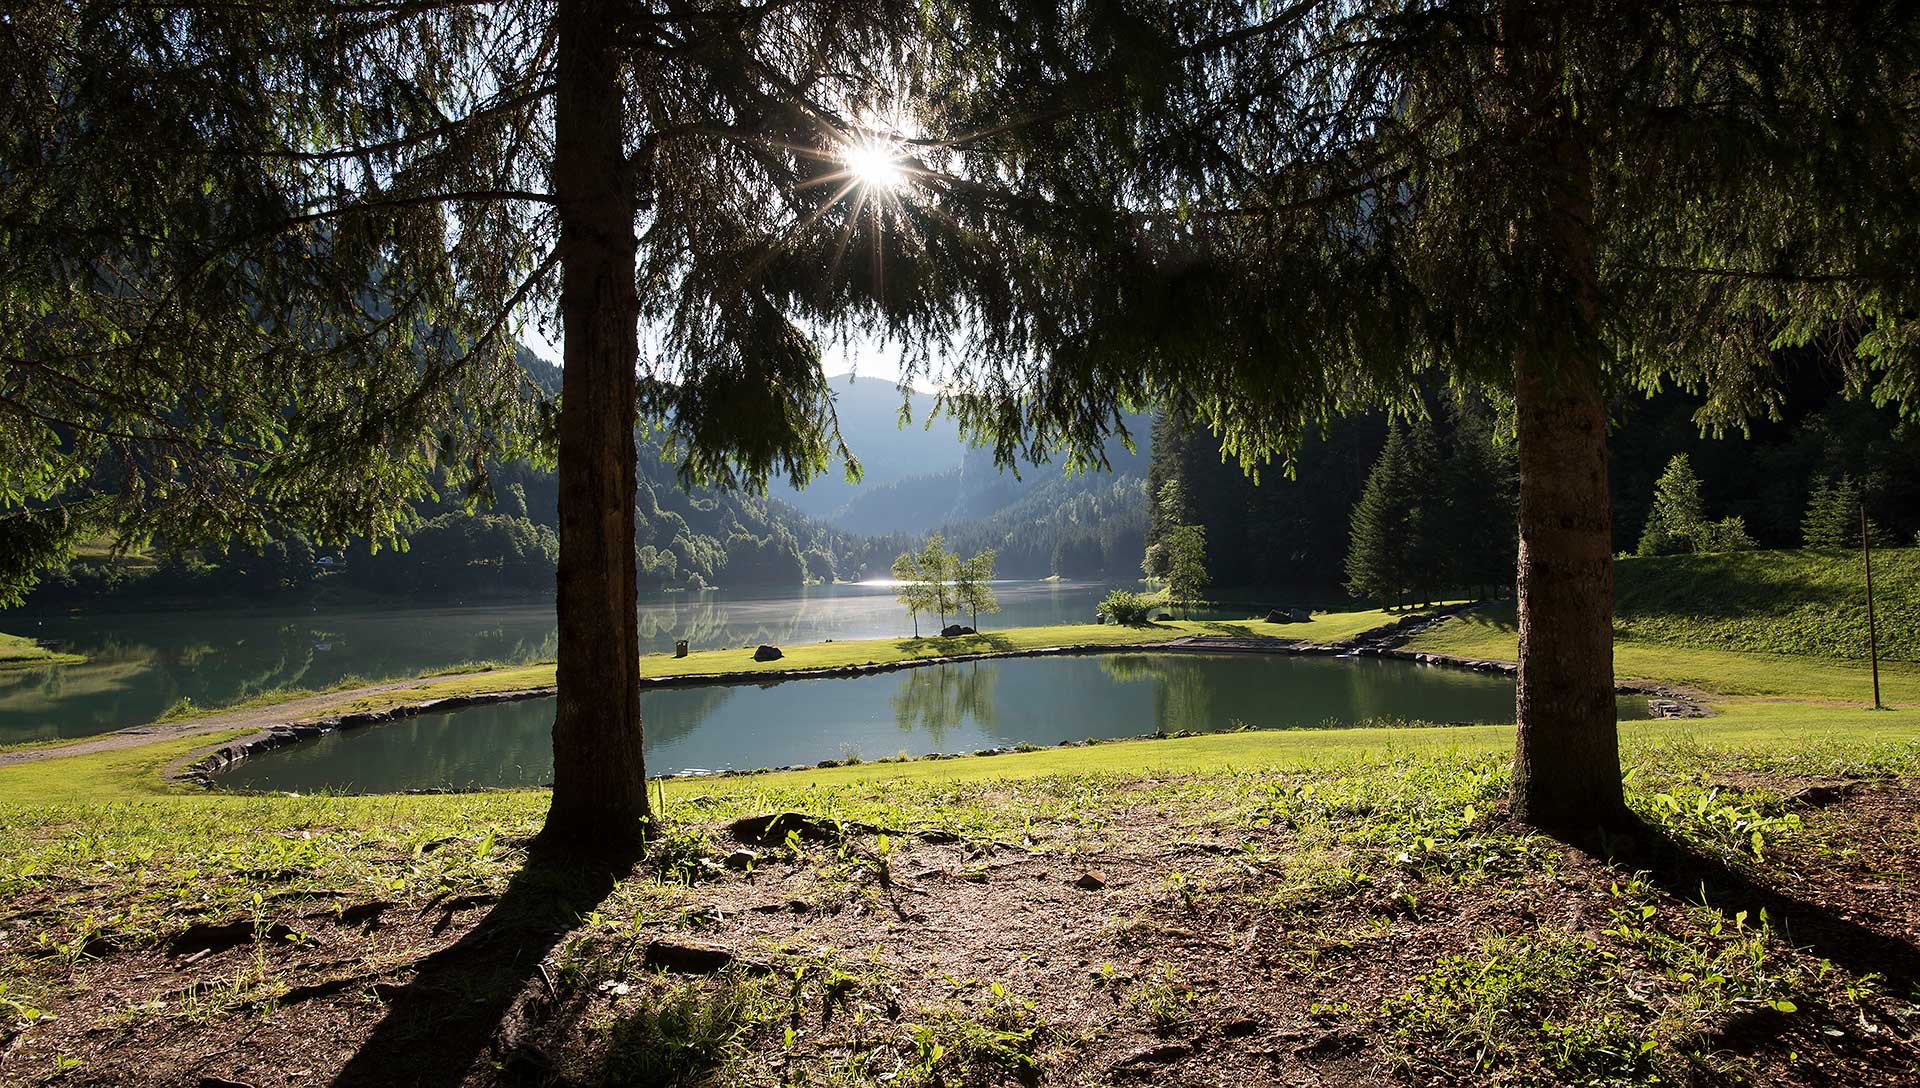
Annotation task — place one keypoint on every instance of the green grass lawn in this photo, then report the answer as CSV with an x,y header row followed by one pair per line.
x,y
18,651
1780,602
1491,632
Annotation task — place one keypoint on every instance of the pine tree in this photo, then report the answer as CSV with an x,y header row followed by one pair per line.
x,y
1381,554
1479,481
1678,516
1512,194
1832,519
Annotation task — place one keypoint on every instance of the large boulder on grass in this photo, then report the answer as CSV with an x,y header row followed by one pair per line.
x,y
768,653
954,630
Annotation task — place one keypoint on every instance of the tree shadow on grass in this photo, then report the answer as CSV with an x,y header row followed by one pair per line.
x,y
448,1017
983,642
1687,872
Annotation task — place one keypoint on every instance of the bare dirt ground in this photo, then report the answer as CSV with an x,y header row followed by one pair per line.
x,y
1286,944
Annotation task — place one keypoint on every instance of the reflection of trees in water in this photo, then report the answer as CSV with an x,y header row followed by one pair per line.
x,y
1183,691
937,697
495,644
669,714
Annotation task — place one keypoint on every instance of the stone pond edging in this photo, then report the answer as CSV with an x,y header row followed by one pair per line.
x,y
1385,641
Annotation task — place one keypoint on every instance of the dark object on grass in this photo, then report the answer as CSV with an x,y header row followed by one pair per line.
x,y
768,653
691,959
954,629
771,828
680,647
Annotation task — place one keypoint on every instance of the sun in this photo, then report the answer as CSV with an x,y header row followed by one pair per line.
x,y
874,165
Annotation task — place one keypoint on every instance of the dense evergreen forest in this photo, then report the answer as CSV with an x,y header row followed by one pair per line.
x,y
1424,508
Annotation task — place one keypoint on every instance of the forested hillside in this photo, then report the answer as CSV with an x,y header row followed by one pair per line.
x,y
1041,520
686,539
1430,513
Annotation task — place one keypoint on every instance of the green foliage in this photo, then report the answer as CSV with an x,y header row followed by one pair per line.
x,y
1678,522
1186,565
682,1033
971,586
1541,1004
1833,517
1392,521
1124,606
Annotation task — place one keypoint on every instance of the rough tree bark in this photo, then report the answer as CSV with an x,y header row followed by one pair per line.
x,y
1566,773
599,772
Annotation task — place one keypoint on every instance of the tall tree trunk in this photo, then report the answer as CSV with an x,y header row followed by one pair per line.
x,y
599,771
1566,773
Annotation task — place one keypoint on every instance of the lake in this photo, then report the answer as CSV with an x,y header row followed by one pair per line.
x,y
938,708
141,663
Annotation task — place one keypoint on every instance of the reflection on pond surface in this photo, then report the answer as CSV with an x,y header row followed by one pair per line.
x,y
141,663
948,708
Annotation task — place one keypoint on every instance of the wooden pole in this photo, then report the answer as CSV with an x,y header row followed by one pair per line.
x,y
1873,634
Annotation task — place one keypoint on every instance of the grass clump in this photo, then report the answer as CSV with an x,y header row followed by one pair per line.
x,y
993,1041
1533,1006
679,1034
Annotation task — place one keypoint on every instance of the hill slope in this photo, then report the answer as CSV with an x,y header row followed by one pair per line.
x,y
1787,602
1812,604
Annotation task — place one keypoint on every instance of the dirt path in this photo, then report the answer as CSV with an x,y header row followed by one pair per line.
x,y
257,718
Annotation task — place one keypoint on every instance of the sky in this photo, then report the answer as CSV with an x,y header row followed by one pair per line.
x,y
867,358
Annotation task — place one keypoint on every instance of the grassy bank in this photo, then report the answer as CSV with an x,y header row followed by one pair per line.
x,y
739,662
1779,602
1342,905
1351,906
18,651
1492,632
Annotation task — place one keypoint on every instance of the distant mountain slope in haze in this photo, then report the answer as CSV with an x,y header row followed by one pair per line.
x,y
869,413
923,478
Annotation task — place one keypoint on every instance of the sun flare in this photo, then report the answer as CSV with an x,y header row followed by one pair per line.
x,y
874,165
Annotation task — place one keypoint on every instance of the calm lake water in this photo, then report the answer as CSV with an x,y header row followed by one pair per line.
x,y
141,663
941,708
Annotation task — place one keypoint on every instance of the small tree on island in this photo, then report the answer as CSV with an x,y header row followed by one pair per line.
x,y
929,581
1186,566
971,588
912,591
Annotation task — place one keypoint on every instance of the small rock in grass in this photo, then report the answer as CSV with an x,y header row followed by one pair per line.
x,y
1092,880
768,653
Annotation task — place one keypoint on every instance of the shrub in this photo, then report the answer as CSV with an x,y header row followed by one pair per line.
x,y
1126,607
